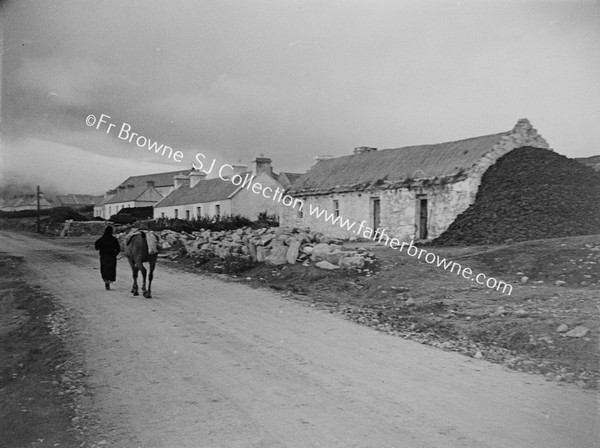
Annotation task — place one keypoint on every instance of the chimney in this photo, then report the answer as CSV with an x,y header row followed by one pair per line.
x,y
122,187
195,177
150,184
262,165
130,185
179,180
239,168
322,157
361,149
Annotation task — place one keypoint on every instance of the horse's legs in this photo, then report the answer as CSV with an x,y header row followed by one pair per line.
x,y
134,272
150,277
143,269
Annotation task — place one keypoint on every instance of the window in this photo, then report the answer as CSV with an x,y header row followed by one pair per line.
x,y
336,208
218,210
187,215
199,212
176,213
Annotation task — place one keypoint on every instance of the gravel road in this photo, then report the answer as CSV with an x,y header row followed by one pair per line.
x,y
207,363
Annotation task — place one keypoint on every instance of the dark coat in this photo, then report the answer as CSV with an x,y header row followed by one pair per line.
x,y
109,248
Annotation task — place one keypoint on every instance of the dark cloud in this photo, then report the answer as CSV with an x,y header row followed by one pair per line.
x,y
295,79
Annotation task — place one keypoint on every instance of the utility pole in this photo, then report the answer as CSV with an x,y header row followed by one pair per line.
x,y
38,209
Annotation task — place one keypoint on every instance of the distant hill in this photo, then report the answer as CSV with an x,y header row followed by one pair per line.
x,y
593,161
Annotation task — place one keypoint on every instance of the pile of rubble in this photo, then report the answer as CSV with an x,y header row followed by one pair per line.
x,y
275,246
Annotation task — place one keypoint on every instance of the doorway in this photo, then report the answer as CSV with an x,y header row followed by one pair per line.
x,y
422,219
376,209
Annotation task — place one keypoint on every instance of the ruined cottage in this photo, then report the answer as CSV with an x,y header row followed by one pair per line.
x,y
413,192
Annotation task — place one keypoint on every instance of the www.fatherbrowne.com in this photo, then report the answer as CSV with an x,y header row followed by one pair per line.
x,y
413,251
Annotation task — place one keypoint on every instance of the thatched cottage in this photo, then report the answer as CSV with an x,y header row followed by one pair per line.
x,y
411,192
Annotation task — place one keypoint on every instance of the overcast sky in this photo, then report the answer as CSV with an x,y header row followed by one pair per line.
x,y
289,79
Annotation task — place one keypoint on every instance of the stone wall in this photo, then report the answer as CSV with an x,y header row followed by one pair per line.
x,y
80,228
275,246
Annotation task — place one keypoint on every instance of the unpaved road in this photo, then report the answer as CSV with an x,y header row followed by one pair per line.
x,y
207,363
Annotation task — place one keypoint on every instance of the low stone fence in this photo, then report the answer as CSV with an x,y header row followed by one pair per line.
x,y
275,245
80,228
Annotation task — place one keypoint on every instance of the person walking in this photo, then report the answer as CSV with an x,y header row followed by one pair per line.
x,y
109,248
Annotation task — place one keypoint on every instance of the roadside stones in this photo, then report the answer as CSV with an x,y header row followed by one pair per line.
x,y
560,283
276,245
562,328
521,313
278,254
293,252
352,262
326,265
577,332
320,251
524,279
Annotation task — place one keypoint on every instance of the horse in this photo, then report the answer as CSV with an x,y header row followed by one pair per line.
x,y
137,254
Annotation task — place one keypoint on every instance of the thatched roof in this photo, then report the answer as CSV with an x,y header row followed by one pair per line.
x,y
392,168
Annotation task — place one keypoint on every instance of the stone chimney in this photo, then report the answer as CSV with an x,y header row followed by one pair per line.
x,y
179,181
195,177
150,184
361,149
262,165
239,168
322,157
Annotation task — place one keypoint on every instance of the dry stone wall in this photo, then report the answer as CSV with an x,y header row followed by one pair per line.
x,y
275,246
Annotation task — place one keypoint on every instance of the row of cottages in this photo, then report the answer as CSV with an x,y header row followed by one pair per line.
x,y
25,202
137,191
413,192
194,196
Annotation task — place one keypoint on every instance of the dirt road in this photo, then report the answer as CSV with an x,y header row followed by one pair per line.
x,y
207,363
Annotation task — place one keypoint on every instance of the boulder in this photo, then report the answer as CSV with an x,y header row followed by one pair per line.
x,y
292,252
320,251
326,265
278,254
262,253
352,262
577,332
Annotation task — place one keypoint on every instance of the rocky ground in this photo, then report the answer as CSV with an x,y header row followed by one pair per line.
x,y
549,324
